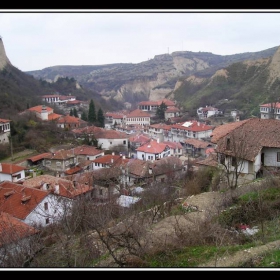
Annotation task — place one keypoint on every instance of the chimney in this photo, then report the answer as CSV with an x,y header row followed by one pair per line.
x,y
123,157
56,189
113,153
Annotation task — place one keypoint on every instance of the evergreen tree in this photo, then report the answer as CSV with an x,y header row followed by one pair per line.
x,y
161,110
91,112
71,112
100,118
75,113
84,116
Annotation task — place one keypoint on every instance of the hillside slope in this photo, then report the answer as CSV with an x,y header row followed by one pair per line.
x,y
149,80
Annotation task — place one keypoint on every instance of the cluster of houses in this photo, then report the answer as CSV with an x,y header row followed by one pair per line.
x,y
146,154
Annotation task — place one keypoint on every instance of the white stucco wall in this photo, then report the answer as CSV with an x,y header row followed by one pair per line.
x,y
55,210
107,144
270,157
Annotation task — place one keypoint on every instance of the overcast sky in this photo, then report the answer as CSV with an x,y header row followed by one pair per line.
x,y
45,38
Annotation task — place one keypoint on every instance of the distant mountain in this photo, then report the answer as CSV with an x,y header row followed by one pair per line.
x,y
241,85
154,79
194,79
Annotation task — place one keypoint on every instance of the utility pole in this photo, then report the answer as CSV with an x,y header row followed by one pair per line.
x,y
11,144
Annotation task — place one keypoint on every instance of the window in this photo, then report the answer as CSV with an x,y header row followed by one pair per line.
x,y
100,192
58,163
222,159
233,161
66,163
228,144
46,206
47,221
278,156
124,142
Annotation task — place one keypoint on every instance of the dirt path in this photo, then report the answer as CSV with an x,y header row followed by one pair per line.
x,y
229,260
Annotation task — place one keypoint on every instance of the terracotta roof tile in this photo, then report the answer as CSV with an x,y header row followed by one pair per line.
x,y
9,168
12,229
152,147
224,129
12,203
38,157
138,113
87,150
249,138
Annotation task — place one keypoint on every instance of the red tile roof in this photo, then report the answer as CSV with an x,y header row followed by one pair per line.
x,y
9,168
53,116
87,150
275,105
140,138
39,108
38,157
152,147
70,119
12,229
4,121
173,145
107,159
194,126
67,188
138,113
12,203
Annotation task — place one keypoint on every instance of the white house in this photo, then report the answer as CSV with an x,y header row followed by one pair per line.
x,y
270,110
190,129
30,205
252,147
137,117
11,172
152,150
5,131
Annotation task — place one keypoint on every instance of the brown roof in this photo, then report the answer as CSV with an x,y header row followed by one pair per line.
x,y
198,143
173,145
247,140
211,160
224,129
87,150
61,154
166,165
